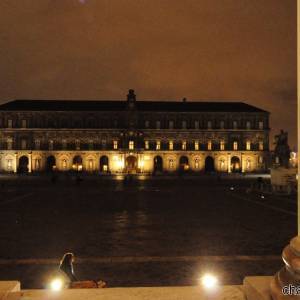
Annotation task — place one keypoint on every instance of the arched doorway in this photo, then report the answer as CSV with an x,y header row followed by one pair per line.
x,y
77,163
50,163
235,164
23,164
131,164
158,164
184,163
104,163
209,164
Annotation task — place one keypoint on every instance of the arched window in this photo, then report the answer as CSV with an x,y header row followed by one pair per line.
x,y
23,164
209,164
158,163
235,164
50,163
104,163
184,163
77,163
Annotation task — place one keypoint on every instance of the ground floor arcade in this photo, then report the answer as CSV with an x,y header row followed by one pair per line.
x,y
133,162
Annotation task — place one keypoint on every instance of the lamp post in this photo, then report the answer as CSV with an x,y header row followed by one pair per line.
x,y
289,275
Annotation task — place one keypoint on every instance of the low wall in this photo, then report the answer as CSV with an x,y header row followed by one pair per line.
x,y
12,291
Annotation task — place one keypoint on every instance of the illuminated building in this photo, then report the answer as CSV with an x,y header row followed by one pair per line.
x,y
133,136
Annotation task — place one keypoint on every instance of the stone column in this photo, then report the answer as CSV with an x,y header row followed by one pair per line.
x,y
30,162
290,273
229,163
16,163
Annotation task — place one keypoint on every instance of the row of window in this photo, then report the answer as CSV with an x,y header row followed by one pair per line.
x,y
171,125
209,125
131,145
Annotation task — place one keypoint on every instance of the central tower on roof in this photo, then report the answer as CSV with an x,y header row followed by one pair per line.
x,y
131,99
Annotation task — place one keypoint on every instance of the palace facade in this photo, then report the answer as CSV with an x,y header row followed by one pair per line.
x,y
132,136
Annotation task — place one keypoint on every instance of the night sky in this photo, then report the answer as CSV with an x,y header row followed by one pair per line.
x,y
164,49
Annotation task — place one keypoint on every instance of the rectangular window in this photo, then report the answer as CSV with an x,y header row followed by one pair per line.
x,y
171,145
23,144
183,124
91,145
103,142
24,123
171,124
50,145
157,124
9,123
222,145
183,146
147,145
147,124
77,144
248,145
248,125
157,145
222,124
131,145
235,146
196,145
64,144
196,124
209,145
234,124
209,125
115,145
9,143
261,125
37,144
261,146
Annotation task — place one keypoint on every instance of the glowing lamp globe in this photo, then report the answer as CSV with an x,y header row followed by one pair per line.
x,y
56,284
209,281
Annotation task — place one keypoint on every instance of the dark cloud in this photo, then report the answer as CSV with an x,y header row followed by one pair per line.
x,y
165,49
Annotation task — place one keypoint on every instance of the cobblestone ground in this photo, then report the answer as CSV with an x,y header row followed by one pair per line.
x,y
165,217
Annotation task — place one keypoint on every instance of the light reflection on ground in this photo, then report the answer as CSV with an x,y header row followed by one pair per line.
x,y
163,218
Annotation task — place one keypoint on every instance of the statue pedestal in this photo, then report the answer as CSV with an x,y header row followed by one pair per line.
x,y
288,278
283,179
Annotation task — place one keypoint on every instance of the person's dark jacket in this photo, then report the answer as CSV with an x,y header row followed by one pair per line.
x,y
67,268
